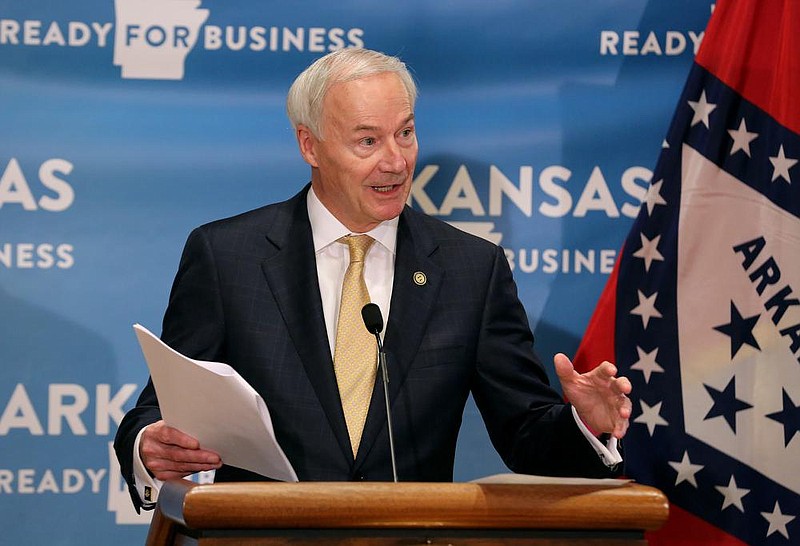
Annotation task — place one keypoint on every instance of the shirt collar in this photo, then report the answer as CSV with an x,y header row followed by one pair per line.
x,y
326,229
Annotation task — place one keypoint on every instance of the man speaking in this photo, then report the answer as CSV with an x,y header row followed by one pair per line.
x,y
277,293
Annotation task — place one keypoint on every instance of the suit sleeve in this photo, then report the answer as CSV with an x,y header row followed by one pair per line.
x,y
193,325
530,426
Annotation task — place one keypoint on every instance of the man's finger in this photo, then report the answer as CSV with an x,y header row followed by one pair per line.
x,y
607,368
173,436
153,450
620,430
191,456
160,466
167,471
622,386
626,409
563,365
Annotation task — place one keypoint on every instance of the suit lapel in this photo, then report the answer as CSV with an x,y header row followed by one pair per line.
x,y
413,300
291,272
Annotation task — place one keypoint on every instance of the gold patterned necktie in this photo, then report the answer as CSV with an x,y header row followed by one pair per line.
x,y
355,357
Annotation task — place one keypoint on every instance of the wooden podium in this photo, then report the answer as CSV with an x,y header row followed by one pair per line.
x,y
356,514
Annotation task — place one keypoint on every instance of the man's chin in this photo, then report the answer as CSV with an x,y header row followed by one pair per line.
x,y
389,211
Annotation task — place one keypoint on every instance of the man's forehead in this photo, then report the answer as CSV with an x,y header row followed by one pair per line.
x,y
367,103
365,90
385,77
366,126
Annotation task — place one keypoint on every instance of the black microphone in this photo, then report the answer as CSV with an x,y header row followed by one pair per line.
x,y
373,320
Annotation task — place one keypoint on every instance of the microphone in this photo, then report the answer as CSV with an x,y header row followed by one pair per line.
x,y
373,320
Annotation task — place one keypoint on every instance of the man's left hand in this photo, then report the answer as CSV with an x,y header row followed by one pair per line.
x,y
599,396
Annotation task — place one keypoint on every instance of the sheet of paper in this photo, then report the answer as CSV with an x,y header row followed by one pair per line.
x,y
213,403
546,480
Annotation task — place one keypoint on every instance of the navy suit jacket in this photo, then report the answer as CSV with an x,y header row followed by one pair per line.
x,y
246,293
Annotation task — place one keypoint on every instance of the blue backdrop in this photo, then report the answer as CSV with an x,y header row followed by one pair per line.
x,y
123,124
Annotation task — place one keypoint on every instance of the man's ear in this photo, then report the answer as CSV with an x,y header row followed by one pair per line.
x,y
308,144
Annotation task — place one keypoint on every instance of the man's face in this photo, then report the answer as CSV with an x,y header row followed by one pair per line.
x,y
362,170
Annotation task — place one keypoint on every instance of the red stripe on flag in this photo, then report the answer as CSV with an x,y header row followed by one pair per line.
x,y
685,529
752,46
598,340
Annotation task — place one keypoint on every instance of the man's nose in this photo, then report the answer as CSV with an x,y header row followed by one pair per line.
x,y
393,160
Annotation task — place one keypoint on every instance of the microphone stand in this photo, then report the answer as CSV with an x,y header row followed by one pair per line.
x,y
385,375
373,321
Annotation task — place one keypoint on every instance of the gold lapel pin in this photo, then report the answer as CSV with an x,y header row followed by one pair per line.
x,y
419,278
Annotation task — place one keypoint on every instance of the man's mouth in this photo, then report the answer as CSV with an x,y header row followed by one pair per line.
x,y
384,189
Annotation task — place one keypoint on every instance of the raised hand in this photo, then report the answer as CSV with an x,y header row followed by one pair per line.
x,y
599,396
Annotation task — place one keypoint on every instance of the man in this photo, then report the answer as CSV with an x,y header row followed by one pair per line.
x,y
269,292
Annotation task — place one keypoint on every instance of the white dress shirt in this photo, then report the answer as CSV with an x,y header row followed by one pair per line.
x,y
333,258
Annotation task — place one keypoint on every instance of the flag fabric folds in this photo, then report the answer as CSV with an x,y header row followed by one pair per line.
x,y
702,312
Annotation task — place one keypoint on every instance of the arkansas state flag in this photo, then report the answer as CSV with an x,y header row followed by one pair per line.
x,y
702,312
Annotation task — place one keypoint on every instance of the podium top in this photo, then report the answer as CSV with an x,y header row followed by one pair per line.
x,y
376,505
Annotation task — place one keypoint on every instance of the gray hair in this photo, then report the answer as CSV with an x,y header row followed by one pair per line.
x,y
304,101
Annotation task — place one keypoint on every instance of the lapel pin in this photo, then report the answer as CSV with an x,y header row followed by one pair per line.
x,y
419,278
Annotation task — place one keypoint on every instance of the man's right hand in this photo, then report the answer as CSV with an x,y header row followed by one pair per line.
x,y
169,453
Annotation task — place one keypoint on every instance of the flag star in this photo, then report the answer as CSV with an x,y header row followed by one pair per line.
x,y
726,404
781,165
742,138
649,251
646,308
777,521
653,197
686,470
651,416
740,330
647,363
733,495
789,418
702,109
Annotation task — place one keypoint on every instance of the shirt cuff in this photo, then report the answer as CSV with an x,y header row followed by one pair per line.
x,y
608,453
146,485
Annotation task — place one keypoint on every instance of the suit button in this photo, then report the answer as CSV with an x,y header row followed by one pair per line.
x,y
359,478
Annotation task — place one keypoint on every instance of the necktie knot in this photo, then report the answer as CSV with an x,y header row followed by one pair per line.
x,y
358,245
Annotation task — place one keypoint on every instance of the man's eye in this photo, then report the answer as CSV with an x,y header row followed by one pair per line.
x,y
405,133
369,141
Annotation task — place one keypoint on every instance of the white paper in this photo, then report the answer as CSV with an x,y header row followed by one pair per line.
x,y
547,480
213,403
